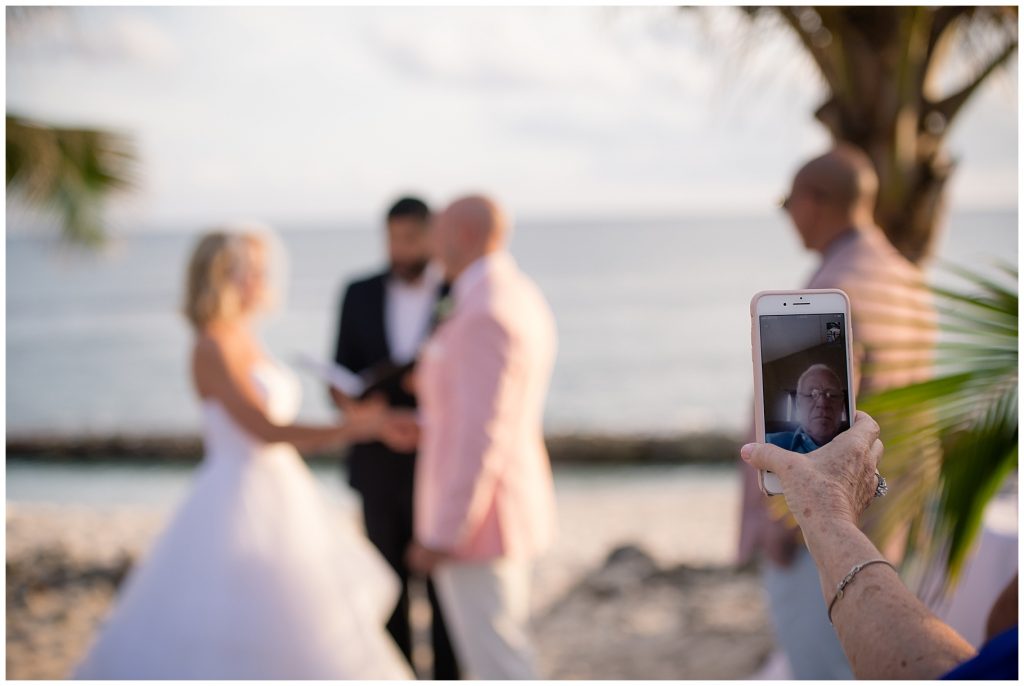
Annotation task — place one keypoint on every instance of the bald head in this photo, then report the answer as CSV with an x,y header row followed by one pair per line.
x,y
471,227
817,373
481,216
843,175
831,193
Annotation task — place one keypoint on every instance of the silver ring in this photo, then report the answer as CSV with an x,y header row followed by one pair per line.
x,y
882,488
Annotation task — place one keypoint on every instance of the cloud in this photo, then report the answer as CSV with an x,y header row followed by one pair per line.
x,y
540,49
134,38
68,35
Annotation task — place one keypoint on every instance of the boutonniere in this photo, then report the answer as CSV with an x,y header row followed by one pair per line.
x,y
443,309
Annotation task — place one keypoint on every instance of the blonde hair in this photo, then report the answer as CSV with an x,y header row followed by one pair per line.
x,y
218,262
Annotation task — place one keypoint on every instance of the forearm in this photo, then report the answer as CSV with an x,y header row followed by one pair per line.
x,y
306,437
886,632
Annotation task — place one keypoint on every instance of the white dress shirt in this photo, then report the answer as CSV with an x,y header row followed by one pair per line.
x,y
408,310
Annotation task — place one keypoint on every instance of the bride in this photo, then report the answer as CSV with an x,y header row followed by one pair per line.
x,y
253,578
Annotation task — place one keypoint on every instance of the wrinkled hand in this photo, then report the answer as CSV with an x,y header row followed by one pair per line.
x,y
423,560
835,483
400,431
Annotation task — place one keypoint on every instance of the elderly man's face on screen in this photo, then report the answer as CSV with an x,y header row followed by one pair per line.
x,y
819,400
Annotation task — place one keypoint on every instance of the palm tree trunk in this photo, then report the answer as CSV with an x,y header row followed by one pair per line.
x,y
880,65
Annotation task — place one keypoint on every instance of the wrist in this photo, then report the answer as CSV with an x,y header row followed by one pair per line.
x,y
824,520
829,530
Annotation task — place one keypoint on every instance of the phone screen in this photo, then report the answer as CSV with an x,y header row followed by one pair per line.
x,y
804,367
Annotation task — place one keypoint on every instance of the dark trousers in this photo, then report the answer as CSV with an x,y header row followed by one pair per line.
x,y
388,521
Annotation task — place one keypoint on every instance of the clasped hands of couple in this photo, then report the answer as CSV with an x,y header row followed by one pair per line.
x,y
373,419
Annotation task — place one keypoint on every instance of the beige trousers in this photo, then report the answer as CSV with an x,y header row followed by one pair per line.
x,y
487,609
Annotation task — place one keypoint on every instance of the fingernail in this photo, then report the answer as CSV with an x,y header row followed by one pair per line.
x,y
746,450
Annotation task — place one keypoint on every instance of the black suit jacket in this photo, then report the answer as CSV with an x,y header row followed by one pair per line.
x,y
375,470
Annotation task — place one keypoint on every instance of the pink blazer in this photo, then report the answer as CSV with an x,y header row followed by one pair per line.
x,y
483,478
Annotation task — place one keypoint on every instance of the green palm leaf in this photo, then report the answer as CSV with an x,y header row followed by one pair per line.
x,y
952,440
71,171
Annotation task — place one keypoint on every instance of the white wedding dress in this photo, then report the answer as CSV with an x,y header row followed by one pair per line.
x,y
253,578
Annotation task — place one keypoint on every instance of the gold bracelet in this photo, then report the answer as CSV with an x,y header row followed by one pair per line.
x,y
848,579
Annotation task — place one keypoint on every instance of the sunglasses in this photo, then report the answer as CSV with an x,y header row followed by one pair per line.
x,y
786,202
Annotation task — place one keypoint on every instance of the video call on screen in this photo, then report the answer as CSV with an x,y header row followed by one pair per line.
x,y
804,372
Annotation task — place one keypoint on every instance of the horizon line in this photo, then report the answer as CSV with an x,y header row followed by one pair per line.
x,y
362,223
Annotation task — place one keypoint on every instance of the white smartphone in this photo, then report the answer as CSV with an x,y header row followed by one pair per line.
x,y
803,376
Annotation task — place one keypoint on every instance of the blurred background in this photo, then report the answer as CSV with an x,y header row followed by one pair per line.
x,y
642,152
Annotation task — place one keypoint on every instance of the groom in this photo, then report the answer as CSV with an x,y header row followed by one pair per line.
x,y
484,499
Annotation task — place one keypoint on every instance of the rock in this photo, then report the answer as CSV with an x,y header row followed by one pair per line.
x,y
625,567
632,620
702,447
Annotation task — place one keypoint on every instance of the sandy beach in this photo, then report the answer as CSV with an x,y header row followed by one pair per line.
x,y
640,586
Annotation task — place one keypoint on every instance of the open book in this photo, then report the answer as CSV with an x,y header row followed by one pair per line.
x,y
385,377
334,375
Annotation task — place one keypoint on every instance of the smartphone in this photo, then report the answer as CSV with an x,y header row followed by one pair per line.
x,y
803,378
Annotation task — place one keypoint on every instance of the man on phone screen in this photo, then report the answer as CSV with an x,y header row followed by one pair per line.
x,y
819,410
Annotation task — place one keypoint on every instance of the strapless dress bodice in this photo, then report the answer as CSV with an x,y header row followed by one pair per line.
x,y
225,439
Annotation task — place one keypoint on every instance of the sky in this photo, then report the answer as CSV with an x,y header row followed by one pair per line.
x,y
300,116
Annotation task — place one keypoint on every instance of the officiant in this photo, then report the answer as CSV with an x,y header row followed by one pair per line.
x,y
384,320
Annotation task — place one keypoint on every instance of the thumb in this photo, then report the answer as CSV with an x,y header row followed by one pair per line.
x,y
766,456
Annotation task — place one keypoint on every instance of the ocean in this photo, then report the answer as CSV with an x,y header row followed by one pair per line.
x,y
652,317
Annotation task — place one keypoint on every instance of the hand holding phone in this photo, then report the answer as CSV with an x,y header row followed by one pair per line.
x,y
803,382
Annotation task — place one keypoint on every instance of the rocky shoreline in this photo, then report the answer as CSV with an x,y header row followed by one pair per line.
x,y
691,448
627,617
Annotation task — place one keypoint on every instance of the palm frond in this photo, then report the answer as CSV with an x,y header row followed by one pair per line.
x,y
952,440
70,171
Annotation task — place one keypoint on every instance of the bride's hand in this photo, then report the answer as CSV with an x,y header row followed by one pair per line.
x,y
373,420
